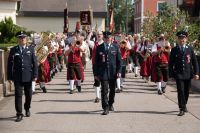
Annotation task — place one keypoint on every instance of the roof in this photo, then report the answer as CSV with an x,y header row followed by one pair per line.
x,y
59,5
56,7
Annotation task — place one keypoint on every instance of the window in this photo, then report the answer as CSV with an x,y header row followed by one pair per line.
x,y
18,5
161,5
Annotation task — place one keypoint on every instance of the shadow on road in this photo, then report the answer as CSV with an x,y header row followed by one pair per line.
x,y
8,118
73,112
79,101
149,112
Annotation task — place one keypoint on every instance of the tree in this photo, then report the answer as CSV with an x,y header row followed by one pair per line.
x,y
169,20
120,14
8,30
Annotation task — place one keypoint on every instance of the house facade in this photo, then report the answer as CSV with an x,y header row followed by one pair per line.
x,y
8,9
48,15
152,6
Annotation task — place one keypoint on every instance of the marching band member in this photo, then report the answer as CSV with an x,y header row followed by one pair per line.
x,y
35,41
60,55
93,45
129,56
43,70
135,54
161,52
74,67
145,70
124,50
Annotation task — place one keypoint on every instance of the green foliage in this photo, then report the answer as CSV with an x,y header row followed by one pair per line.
x,y
168,21
8,30
120,14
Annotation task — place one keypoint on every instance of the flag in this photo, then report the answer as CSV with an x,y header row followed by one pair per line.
x,y
66,23
111,26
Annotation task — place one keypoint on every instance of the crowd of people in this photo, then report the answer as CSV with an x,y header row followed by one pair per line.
x,y
112,56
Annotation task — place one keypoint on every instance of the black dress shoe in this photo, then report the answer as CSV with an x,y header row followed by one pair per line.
x,y
79,88
97,100
163,89
111,108
44,89
117,91
105,112
19,118
71,92
181,113
28,113
159,92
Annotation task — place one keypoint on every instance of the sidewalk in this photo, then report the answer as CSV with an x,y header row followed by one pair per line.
x,y
138,109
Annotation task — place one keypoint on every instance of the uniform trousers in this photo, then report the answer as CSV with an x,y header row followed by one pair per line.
x,y
19,86
105,86
183,87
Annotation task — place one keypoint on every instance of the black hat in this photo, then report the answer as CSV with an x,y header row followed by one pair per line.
x,y
107,34
182,34
21,34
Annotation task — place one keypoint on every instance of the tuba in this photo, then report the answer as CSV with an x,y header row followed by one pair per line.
x,y
41,49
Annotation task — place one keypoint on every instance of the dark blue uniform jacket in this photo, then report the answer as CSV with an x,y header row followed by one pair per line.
x,y
183,65
22,66
107,64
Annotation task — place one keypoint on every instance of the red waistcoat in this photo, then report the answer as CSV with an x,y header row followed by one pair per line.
x,y
74,57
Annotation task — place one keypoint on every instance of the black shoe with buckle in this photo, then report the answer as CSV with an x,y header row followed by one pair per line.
x,y
44,89
19,118
163,89
159,92
78,88
97,100
28,113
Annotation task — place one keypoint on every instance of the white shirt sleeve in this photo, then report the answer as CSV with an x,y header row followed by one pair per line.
x,y
90,44
154,48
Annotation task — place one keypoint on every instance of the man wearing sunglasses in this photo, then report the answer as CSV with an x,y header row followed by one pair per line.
x,y
22,70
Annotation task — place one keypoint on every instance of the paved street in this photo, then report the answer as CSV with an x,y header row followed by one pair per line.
x,y
137,110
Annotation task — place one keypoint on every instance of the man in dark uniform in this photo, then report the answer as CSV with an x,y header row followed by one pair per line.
x,y
107,68
183,67
22,70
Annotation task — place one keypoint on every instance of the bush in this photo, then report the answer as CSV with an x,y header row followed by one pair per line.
x,y
8,30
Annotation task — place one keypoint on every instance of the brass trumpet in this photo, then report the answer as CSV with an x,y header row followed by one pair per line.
x,y
78,43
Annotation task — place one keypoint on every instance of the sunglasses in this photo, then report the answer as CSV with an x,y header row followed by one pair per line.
x,y
181,37
21,37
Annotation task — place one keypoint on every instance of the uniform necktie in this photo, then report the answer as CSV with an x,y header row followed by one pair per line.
x,y
182,49
107,48
22,49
